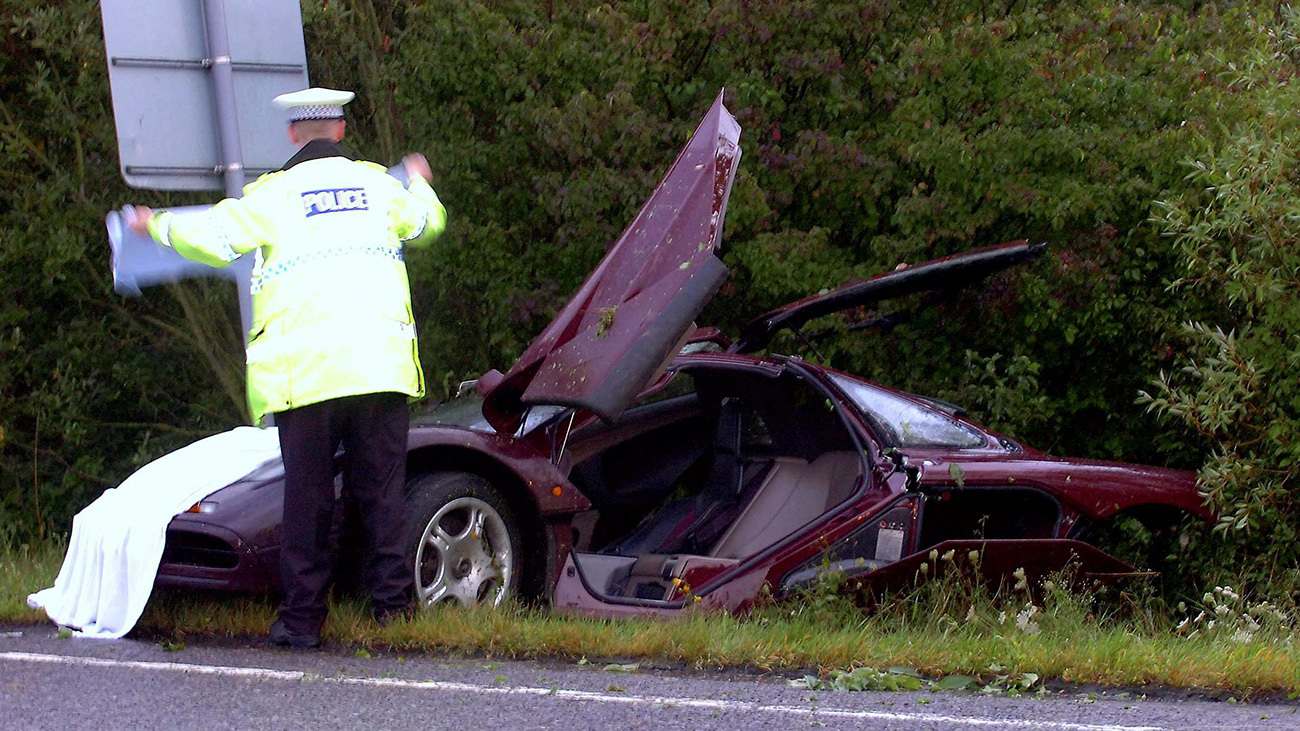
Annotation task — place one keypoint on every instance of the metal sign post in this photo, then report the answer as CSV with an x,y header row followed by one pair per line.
x,y
192,84
232,158
223,88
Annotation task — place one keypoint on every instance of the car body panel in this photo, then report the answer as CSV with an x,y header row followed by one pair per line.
x,y
1072,491
238,541
946,274
647,485
517,456
634,310
1099,488
994,560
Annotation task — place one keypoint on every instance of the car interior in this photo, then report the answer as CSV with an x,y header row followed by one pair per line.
x,y
715,467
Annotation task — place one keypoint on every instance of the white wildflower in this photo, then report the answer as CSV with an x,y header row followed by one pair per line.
x,y
1024,620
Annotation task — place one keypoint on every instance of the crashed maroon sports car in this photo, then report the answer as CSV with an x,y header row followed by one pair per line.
x,y
631,462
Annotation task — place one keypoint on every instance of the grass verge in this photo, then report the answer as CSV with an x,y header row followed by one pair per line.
x,y
26,568
945,628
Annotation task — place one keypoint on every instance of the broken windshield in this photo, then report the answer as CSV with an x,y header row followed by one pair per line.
x,y
907,423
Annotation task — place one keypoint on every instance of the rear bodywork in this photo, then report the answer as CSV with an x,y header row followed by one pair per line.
x,y
821,489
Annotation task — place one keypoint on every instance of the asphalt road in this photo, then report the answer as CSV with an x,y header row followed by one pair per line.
x,y
52,683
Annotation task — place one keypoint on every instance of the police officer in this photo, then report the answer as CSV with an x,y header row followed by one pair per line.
x,y
332,352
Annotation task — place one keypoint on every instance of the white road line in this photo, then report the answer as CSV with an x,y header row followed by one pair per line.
x,y
569,695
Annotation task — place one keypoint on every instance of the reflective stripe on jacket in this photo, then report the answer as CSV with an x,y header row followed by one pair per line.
x,y
331,300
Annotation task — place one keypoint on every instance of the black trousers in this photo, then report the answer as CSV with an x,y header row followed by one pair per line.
x,y
372,430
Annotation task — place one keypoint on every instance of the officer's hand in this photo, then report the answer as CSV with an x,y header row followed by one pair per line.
x,y
417,166
137,218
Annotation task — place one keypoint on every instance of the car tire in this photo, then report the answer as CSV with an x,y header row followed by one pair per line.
x,y
464,545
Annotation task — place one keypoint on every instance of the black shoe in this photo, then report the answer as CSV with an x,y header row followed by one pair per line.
x,y
280,635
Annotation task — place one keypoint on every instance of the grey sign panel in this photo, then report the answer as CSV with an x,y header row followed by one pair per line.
x,y
139,261
164,105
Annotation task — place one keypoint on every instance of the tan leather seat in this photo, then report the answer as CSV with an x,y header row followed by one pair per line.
x,y
793,494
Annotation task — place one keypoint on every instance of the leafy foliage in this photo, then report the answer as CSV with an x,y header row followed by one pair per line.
x,y
90,385
863,678
875,133
1235,234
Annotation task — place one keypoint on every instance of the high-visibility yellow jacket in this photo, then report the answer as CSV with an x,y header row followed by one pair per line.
x,y
331,300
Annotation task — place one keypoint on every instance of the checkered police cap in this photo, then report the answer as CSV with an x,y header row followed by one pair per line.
x,y
314,103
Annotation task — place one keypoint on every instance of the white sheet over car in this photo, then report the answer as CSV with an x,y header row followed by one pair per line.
x,y
117,541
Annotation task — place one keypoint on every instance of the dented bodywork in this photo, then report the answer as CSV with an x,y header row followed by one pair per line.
x,y
637,476
631,314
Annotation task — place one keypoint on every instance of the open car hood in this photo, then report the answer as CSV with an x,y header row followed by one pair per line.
x,y
629,317
940,275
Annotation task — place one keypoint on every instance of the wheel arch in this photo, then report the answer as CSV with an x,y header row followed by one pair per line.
x,y
537,549
1153,544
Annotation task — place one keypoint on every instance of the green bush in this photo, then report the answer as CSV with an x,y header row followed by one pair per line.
x,y
874,133
1235,233
91,384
